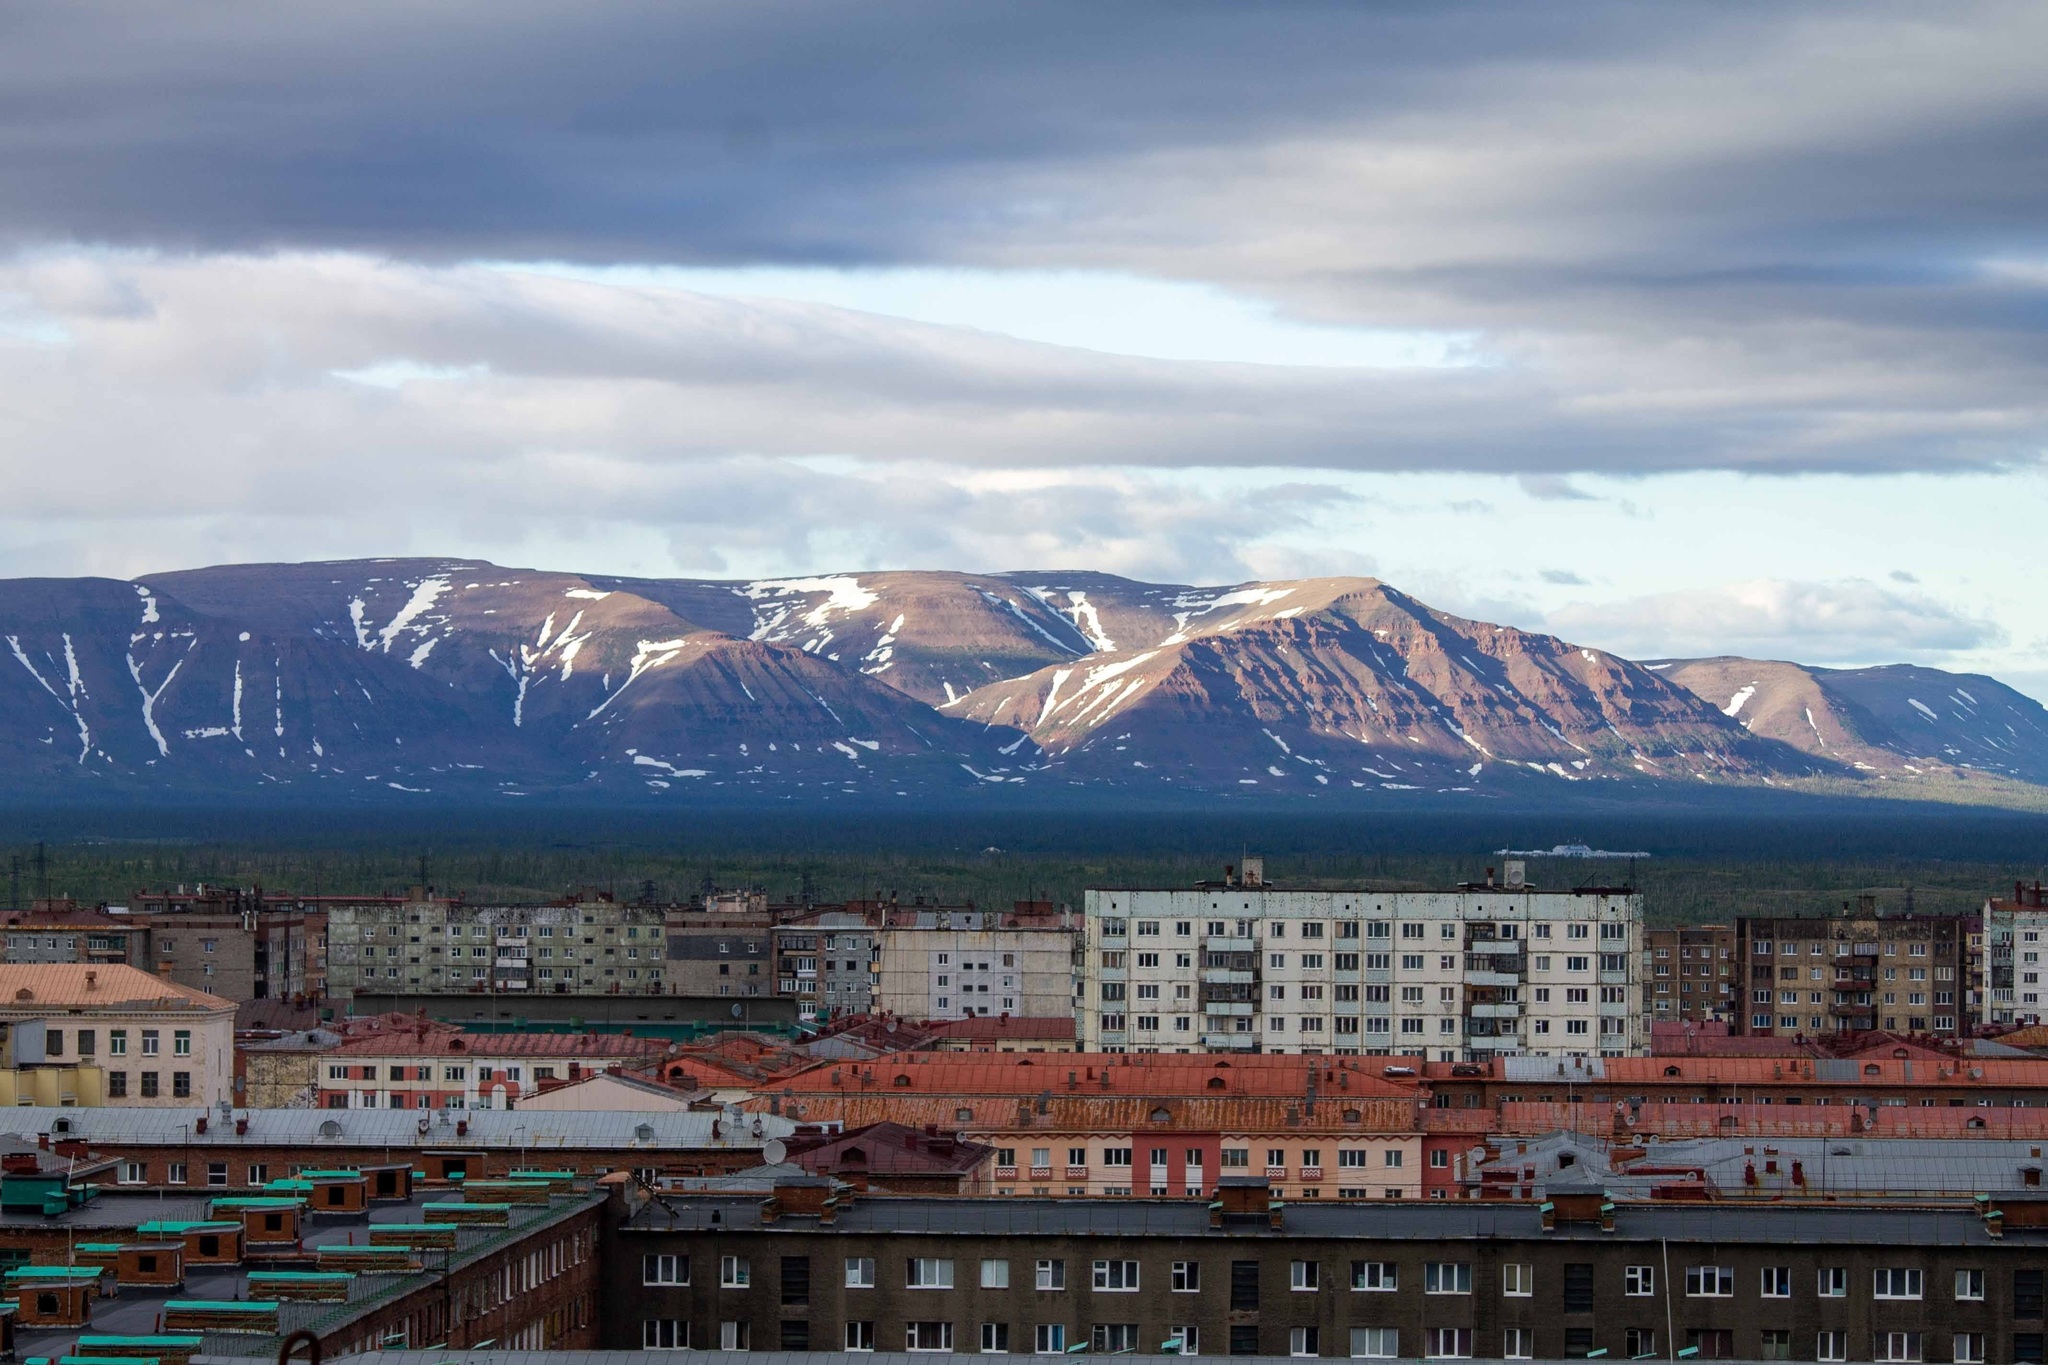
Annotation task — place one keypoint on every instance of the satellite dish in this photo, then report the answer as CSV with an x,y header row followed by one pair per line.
x,y
774,1151
735,1011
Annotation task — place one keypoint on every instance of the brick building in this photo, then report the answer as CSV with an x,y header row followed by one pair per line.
x,y
1856,972
814,1268
1690,974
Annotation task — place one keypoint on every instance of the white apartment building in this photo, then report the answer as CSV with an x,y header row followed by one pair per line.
x,y
2009,963
970,964
1483,971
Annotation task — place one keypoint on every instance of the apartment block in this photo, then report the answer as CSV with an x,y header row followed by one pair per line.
x,y
2015,934
428,945
1241,965
1690,975
1857,971
815,1268
825,958
939,963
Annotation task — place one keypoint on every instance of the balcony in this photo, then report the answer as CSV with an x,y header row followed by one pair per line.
x,y
1231,945
1077,1172
1497,964
1041,1172
1496,1011
1228,976
1276,1173
1234,1042
1006,1172
1220,1007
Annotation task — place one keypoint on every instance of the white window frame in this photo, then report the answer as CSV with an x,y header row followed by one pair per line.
x,y
1304,1277
1517,1280
1969,1286
665,1268
1457,1273
1380,1343
1050,1277
1897,1284
676,1330
1186,1277
1775,1282
1831,1346
860,1273
860,1336
1304,1342
1898,1348
928,1272
911,1333
995,1275
1375,1277
1832,1282
1639,1281
1115,1277
735,1272
1697,1279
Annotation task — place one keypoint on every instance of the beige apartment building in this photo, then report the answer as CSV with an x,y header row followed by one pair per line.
x,y
959,964
112,1035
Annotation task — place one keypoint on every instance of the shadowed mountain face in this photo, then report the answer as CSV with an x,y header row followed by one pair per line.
x,y
399,679
1896,720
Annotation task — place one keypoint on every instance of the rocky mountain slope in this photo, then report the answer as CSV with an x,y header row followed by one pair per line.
x,y
1894,721
412,680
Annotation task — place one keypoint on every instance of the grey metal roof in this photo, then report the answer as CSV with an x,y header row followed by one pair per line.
x,y
1366,1220
1553,1068
537,1128
1842,1165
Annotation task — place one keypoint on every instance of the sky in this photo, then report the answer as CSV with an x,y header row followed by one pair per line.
x,y
1675,330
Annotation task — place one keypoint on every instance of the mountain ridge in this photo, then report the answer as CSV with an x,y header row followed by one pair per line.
x,y
411,679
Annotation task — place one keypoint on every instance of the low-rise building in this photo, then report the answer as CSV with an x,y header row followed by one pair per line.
x,y
1141,1125
466,1071
429,945
112,1035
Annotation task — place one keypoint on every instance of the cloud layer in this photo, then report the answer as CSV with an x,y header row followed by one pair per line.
x,y
1849,622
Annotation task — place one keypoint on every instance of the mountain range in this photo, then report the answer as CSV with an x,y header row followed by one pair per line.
x,y
415,680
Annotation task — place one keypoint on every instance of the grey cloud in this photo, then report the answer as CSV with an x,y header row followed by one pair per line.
x,y
1714,236
1562,577
1846,622
1553,488
1901,576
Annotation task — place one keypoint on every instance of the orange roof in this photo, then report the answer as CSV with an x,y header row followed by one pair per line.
x,y
1149,1074
1004,1026
1532,1118
1807,1073
1096,1113
690,1072
78,985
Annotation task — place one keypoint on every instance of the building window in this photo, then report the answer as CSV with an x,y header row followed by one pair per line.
x,y
1776,1282
1187,1277
995,1275
1640,1342
181,1084
1834,1282
860,1336
181,1043
1185,1340
1970,1285
1831,1346
1116,1277
117,1085
1448,1343
1968,1348
928,1272
1374,1276
928,1336
734,1272
664,1334
1897,1346
1049,1338
134,1173
1709,1282
259,1174
216,1172
149,1087
1639,1281
1304,1277
1375,1343
1052,1275
1304,1341
1896,1284
149,1042
995,1338
664,1270
735,1336
1518,1281
1448,1277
